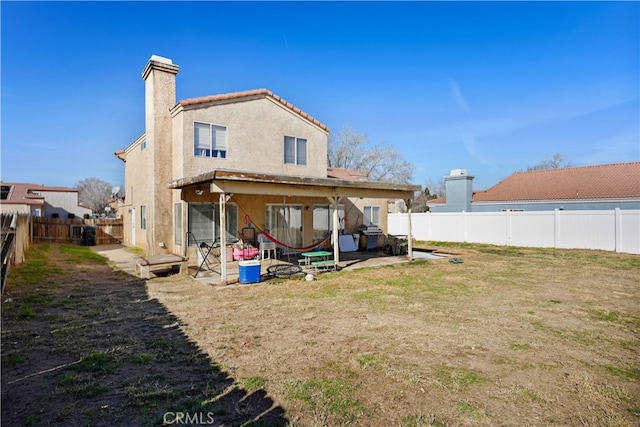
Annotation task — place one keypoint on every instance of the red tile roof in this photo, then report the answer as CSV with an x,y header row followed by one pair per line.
x,y
342,173
612,181
27,194
251,93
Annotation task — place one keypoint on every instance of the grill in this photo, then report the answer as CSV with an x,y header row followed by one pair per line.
x,y
371,236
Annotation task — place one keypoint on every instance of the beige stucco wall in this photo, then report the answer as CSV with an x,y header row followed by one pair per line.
x,y
255,139
354,215
138,188
354,209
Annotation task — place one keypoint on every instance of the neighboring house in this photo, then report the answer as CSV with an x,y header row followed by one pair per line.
x,y
39,200
602,187
250,155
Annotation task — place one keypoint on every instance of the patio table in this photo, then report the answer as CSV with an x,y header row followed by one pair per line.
x,y
315,255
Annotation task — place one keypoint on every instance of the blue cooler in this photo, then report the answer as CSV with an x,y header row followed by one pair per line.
x,y
249,271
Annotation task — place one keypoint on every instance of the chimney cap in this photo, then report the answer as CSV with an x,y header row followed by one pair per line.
x,y
162,59
159,63
458,172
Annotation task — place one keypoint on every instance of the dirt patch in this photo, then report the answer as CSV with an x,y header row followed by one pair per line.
x,y
83,344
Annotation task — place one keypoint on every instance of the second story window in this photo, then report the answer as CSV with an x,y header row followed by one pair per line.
x,y
295,151
4,192
210,140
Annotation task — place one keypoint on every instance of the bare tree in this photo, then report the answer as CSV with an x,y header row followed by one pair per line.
x,y
433,189
556,162
351,149
419,203
94,194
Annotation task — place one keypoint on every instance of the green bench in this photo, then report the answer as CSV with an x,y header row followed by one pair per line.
x,y
328,263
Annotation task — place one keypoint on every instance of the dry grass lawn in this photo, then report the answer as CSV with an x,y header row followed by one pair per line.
x,y
511,336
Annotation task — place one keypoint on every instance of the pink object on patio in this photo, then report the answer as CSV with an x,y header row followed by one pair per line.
x,y
247,253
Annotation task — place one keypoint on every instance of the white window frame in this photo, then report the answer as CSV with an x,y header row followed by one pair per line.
x,y
212,228
278,220
319,210
214,141
371,215
143,217
299,155
177,223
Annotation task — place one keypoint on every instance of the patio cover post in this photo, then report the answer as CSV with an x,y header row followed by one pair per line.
x,y
224,198
336,222
409,232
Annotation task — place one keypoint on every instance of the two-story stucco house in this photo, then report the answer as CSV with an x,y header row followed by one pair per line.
x,y
232,161
41,201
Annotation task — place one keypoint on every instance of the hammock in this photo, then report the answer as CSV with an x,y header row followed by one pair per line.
x,y
304,249
277,242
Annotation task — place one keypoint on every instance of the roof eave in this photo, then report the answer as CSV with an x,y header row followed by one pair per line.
x,y
288,184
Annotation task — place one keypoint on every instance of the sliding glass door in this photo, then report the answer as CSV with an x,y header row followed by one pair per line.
x,y
284,222
204,222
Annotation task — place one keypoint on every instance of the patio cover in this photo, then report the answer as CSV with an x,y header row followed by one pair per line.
x,y
229,182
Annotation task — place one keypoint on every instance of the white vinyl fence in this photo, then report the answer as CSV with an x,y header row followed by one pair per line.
x,y
612,230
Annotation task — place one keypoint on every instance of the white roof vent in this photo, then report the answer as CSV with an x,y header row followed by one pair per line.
x,y
458,172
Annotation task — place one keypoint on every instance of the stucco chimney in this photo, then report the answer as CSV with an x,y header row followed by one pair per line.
x,y
459,191
160,96
160,86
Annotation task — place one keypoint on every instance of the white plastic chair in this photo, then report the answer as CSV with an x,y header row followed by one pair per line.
x,y
266,246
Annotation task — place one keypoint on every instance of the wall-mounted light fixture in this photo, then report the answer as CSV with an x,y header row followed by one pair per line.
x,y
199,192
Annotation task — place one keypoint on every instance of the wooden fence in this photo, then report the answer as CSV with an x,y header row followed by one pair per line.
x,y
57,230
20,230
16,238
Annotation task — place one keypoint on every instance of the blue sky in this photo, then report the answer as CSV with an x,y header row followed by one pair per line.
x,y
488,87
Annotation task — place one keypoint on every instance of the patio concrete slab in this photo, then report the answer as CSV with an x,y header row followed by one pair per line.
x,y
124,260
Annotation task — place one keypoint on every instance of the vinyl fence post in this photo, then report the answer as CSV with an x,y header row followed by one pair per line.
x,y
409,232
617,229
464,227
556,227
507,217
